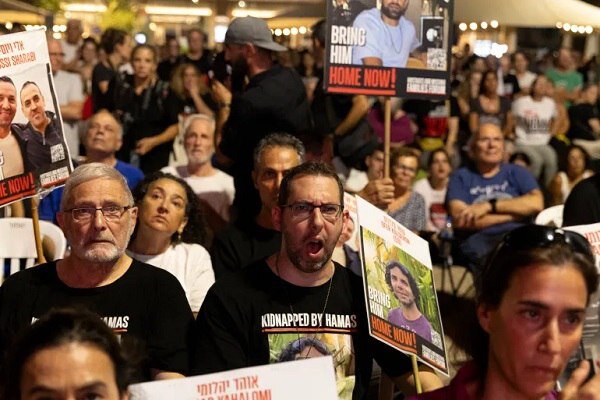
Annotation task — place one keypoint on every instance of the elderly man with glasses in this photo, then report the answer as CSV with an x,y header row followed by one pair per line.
x,y
251,317
139,302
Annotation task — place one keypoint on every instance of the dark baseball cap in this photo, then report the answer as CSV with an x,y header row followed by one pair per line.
x,y
251,30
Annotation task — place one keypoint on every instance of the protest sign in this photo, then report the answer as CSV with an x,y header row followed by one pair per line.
x,y
402,305
33,153
311,378
591,326
389,49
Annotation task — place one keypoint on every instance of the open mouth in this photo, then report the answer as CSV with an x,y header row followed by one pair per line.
x,y
314,247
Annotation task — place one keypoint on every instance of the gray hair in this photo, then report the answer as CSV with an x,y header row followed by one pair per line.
x,y
279,140
199,117
89,172
104,111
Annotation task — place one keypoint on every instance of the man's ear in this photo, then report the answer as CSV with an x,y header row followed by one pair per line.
x,y
276,216
484,316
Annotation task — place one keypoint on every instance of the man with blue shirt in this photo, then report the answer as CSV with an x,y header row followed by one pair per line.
x,y
490,198
102,140
390,37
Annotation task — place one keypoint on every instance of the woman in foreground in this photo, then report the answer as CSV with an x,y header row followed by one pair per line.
x,y
67,354
531,302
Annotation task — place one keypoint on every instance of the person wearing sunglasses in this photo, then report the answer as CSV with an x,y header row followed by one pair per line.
x,y
531,301
136,300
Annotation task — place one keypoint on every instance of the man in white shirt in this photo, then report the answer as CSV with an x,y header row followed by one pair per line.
x,y
69,92
213,186
72,43
390,37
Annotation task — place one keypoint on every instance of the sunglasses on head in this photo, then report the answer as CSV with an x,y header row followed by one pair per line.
x,y
531,236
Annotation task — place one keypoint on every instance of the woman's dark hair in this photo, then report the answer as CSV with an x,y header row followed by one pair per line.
x,y
89,40
59,327
524,247
195,230
152,49
586,155
433,154
482,83
520,156
110,38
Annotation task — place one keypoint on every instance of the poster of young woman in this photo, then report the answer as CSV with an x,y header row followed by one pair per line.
x,y
33,153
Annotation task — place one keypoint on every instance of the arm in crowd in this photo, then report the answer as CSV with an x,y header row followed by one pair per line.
x,y
480,215
144,145
360,108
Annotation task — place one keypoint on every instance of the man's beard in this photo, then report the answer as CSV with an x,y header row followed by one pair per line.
x,y
295,258
239,70
393,14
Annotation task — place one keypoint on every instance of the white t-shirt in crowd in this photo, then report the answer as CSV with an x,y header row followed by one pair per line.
x,y
70,50
69,88
392,44
191,265
435,208
216,190
533,120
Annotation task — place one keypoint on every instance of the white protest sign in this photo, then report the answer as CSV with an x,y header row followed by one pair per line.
x,y
296,380
591,327
33,152
410,322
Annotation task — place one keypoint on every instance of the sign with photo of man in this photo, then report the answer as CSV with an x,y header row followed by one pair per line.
x,y
402,305
33,153
389,47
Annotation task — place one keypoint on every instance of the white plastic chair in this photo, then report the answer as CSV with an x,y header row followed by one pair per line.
x,y
17,243
552,216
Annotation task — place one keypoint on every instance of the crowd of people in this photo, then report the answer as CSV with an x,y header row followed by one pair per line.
x,y
208,194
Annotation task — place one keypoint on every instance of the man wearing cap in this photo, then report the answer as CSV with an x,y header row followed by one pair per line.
x,y
274,100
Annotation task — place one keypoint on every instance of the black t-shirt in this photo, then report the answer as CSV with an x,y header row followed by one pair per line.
x,y
165,68
511,85
145,115
579,115
583,203
102,73
255,318
241,244
147,304
274,101
203,63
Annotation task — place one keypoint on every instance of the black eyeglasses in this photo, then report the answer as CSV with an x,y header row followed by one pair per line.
x,y
530,236
303,210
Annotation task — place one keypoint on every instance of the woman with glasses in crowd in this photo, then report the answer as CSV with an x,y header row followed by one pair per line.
x,y
531,302
67,354
408,207
170,234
